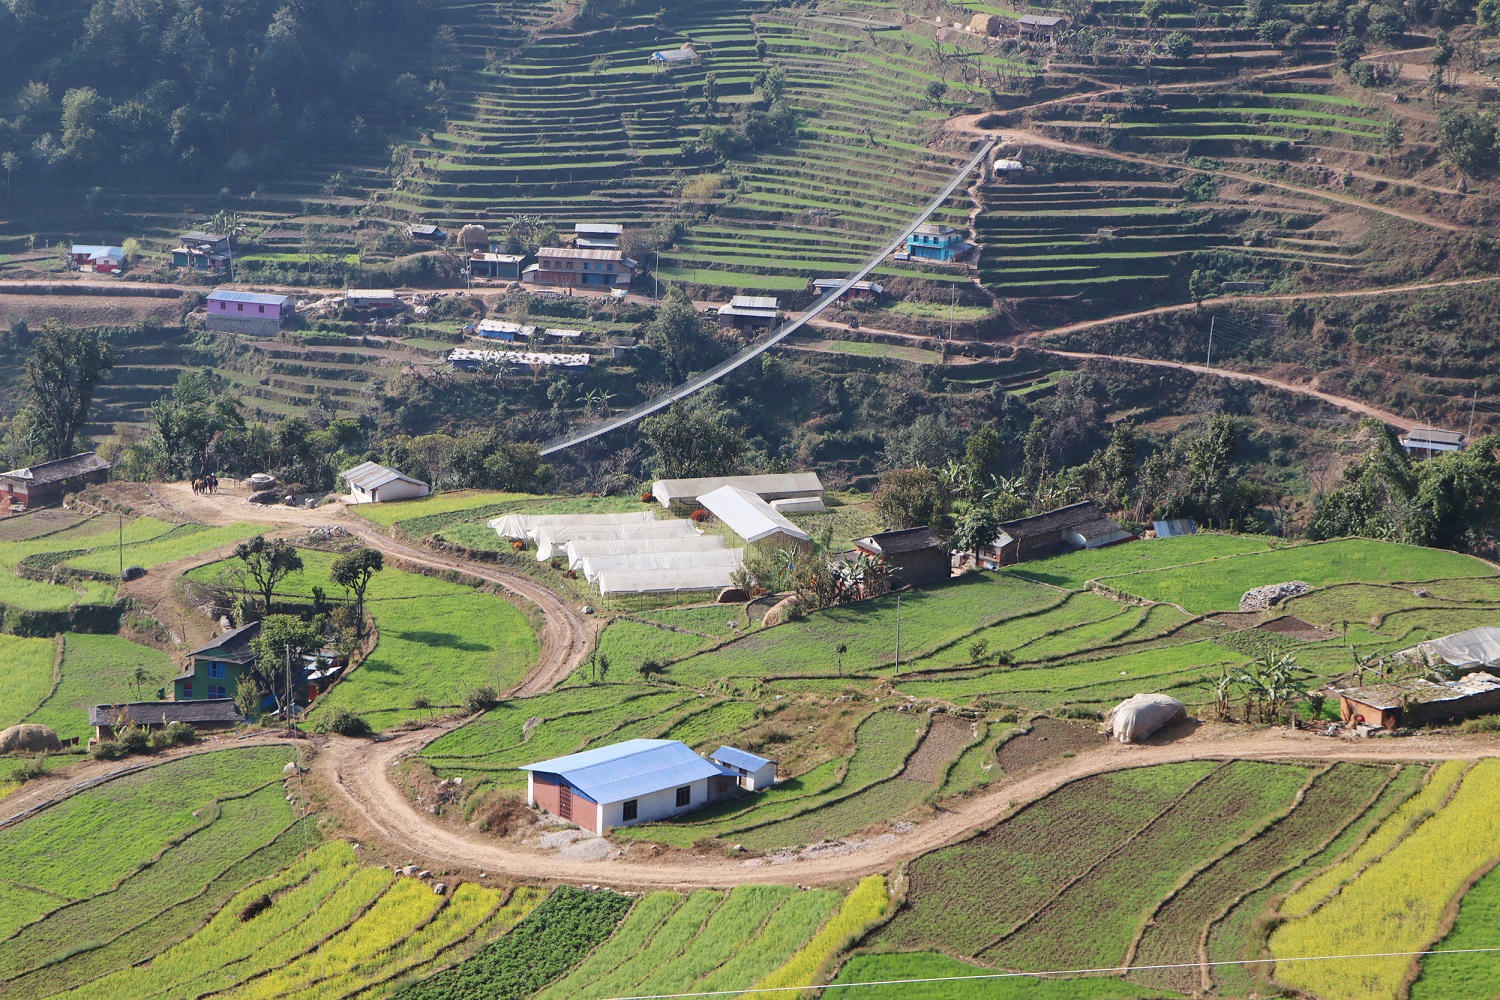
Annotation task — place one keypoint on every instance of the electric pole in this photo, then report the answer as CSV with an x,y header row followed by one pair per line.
x,y
1473,402
1208,362
898,633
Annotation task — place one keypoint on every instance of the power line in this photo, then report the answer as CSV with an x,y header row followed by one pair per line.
x,y
1116,970
786,329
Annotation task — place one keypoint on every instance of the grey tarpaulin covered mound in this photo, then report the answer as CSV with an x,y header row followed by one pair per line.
x,y
1138,717
28,738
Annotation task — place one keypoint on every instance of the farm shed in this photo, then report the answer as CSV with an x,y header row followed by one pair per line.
x,y
104,260
426,233
752,519
575,266
661,556
467,360
581,551
1066,529
205,716
372,483
632,782
1419,702
755,772
749,312
933,241
249,312
371,298
915,556
798,505
501,329
1469,650
202,251
1177,527
45,484
1039,25
858,290
778,486
1429,442
667,58
504,266
597,235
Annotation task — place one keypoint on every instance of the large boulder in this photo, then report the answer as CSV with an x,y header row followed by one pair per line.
x,y
1267,597
28,738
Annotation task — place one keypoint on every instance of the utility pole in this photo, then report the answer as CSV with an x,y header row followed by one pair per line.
x,y
952,307
898,633
1210,359
122,548
1473,402
286,695
655,277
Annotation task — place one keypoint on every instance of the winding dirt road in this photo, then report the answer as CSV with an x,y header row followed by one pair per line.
x,y
361,775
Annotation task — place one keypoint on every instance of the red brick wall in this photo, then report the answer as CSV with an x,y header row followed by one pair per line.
x,y
544,788
585,813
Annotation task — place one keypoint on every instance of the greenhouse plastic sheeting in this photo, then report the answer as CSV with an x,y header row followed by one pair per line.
x,y
728,560
1138,717
624,581
522,525
1476,647
580,549
552,539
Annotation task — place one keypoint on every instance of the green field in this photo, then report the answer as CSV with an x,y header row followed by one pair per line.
x,y
1076,569
930,965
27,677
100,670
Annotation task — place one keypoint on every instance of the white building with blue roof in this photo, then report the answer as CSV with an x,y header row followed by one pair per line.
x,y
755,772
632,782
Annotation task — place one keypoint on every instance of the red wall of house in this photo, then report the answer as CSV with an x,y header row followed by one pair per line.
x,y
545,792
585,813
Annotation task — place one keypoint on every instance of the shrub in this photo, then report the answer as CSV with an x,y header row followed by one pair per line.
x,y
135,741
481,698
647,498
30,770
698,516
345,723
176,734
108,750
1483,724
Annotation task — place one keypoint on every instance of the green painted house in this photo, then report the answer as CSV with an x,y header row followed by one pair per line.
x,y
214,670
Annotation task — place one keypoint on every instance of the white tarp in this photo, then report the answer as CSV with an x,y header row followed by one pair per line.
x,y
580,549
552,539
727,560
1138,717
774,486
1475,647
799,505
748,516
522,525
625,581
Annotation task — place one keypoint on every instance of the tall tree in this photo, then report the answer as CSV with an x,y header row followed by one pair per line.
x,y
353,572
279,648
677,333
696,437
268,561
62,372
907,498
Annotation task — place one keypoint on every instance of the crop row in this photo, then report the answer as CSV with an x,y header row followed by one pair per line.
x,y
1477,926
953,897
551,939
1396,905
1327,805
27,678
861,910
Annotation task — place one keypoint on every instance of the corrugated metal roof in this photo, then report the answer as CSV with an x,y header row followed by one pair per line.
x,y
159,713
753,302
95,252
1177,527
605,228
357,294
572,254
59,469
254,298
748,516
1041,20
629,770
1418,435
735,757
369,476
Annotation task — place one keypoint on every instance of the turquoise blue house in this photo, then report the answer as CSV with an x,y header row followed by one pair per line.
x,y
932,241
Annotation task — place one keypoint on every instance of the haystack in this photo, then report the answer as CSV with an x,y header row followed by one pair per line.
x,y
28,738
1138,717
474,237
985,24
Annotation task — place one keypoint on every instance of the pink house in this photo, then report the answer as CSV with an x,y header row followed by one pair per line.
x,y
250,312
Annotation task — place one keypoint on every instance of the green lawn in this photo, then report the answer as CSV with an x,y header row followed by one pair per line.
x,y
1218,585
387,514
178,544
27,676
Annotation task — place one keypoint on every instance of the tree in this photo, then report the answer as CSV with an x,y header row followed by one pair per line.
x,y
936,90
983,453
1392,138
282,642
711,91
696,437
1467,139
677,333
9,161
1177,45
907,498
353,572
977,529
1210,458
62,371
841,649
268,561
1200,285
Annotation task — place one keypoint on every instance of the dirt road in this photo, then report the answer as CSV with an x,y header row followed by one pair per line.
x,y
1343,402
359,773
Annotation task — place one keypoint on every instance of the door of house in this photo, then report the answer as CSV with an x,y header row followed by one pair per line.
x,y
565,802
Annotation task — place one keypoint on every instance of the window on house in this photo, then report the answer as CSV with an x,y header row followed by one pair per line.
x,y
630,811
217,691
187,690
216,671
262,308
239,306
684,796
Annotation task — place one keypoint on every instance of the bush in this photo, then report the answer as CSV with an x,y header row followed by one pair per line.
x,y
136,741
177,734
345,723
30,770
108,750
481,698
1483,724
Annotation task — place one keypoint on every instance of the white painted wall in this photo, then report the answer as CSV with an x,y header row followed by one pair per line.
x,y
655,805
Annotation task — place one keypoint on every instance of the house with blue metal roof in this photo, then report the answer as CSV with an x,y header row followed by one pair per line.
x,y
755,772
632,782
249,312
